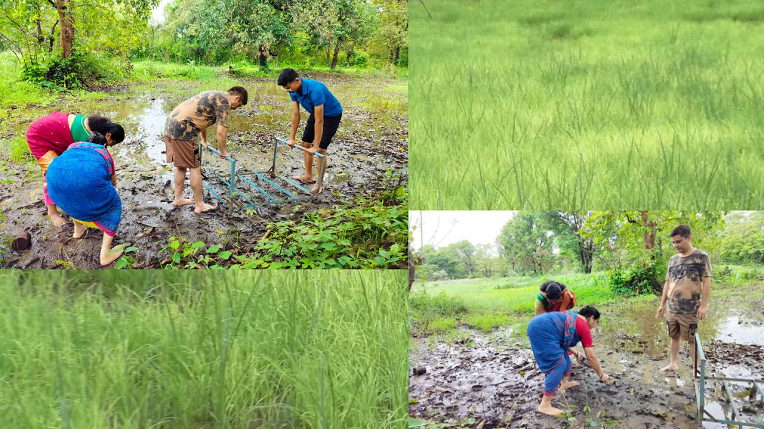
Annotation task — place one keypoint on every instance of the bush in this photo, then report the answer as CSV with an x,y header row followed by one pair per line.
x,y
635,281
433,312
359,59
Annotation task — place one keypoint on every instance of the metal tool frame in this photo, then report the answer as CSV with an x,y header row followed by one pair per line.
x,y
700,390
250,178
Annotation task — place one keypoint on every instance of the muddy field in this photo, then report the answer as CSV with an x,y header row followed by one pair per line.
x,y
372,141
491,380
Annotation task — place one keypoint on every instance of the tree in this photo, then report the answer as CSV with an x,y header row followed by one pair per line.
x,y
743,238
566,227
644,234
527,242
392,35
91,26
465,252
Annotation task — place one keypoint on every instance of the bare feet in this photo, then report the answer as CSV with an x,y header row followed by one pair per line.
x,y
79,229
671,368
182,202
204,207
112,255
317,189
304,178
549,410
568,384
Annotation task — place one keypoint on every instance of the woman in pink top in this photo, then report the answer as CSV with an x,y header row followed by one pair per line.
x,y
49,136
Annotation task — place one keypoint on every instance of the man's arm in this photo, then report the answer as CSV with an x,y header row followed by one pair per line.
x,y
318,128
663,298
204,137
295,123
706,283
220,137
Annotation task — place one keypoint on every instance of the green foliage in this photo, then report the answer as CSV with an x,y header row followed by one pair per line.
x,y
229,350
308,33
637,280
487,321
433,312
526,243
630,105
743,238
365,235
18,150
644,235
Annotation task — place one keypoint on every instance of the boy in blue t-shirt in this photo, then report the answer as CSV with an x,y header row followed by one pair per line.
x,y
325,115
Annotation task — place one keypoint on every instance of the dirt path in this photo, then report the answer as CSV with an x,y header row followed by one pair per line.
x,y
372,141
492,378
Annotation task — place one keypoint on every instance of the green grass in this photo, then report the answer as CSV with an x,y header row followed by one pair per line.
x,y
620,104
202,350
517,295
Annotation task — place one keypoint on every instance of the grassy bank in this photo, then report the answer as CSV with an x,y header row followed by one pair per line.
x,y
441,307
189,350
586,105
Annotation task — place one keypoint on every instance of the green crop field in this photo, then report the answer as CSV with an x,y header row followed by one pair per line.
x,y
156,349
589,104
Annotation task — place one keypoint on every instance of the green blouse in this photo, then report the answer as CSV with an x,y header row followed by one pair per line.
x,y
79,132
543,300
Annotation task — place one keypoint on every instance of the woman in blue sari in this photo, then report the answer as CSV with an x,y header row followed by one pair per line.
x,y
82,182
552,336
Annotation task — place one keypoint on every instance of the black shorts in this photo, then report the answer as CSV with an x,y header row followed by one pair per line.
x,y
331,124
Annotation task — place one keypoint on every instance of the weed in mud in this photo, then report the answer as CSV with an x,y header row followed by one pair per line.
x,y
127,260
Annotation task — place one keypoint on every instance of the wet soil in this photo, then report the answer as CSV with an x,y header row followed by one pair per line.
x,y
475,379
372,141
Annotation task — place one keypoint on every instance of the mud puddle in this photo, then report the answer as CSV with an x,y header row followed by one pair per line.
x,y
369,145
491,378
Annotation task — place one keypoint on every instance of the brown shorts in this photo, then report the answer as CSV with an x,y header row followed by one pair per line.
x,y
183,153
682,326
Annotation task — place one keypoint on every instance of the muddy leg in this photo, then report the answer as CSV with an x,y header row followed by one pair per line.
x,y
545,407
54,216
107,255
567,383
79,229
307,160
673,365
180,178
196,186
319,186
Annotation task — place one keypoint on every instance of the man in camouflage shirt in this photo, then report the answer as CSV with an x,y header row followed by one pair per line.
x,y
183,126
687,288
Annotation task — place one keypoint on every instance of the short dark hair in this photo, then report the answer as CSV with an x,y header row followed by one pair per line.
x,y
97,138
103,125
287,75
551,282
241,92
553,291
117,132
590,311
682,230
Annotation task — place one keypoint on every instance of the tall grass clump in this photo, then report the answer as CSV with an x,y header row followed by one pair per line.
x,y
581,105
203,350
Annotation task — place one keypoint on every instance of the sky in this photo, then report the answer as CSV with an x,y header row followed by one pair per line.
x,y
157,14
441,228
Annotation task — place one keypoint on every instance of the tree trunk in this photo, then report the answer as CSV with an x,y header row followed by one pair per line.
x,y
40,36
397,55
336,54
52,37
67,27
328,55
263,56
348,56
649,235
